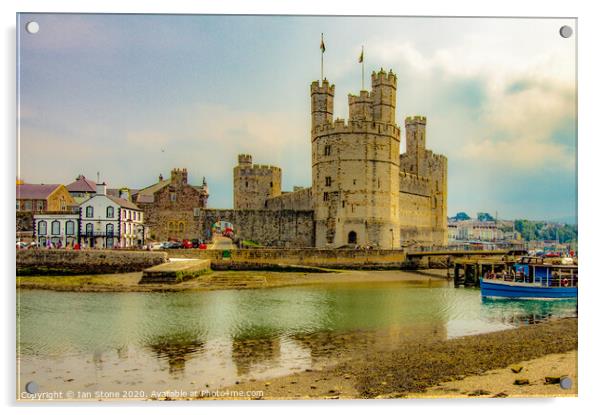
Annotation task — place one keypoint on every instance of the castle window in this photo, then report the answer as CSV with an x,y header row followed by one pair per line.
x,y
246,184
197,212
271,184
325,196
327,150
172,197
352,208
343,203
328,181
89,212
354,182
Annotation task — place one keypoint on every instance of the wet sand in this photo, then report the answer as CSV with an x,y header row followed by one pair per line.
x,y
219,280
462,367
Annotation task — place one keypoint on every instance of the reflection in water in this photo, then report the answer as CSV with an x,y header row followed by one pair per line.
x,y
523,312
176,349
256,346
218,337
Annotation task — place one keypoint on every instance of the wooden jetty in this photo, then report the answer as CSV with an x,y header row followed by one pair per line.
x,y
467,271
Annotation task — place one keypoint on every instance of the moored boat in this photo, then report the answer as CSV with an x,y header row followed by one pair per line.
x,y
532,278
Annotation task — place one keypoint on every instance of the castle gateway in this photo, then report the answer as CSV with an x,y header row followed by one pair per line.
x,y
364,192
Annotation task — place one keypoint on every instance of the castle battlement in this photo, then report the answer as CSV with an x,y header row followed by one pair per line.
x,y
340,126
322,88
415,119
383,77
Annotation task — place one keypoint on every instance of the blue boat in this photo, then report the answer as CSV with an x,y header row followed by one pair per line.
x,y
532,278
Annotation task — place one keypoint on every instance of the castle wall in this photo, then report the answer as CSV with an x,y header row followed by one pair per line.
x,y
296,200
281,228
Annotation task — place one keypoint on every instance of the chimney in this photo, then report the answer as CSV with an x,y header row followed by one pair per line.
x,y
101,188
160,177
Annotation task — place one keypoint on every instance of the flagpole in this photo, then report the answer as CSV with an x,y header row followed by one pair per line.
x,y
362,68
322,59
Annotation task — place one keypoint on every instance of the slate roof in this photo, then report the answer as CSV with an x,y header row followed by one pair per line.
x,y
81,184
35,191
124,203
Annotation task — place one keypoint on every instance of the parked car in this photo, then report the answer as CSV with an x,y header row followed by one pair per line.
x,y
153,246
202,245
195,242
186,244
173,245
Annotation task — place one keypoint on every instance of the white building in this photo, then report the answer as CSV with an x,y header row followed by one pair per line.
x,y
109,221
103,221
60,229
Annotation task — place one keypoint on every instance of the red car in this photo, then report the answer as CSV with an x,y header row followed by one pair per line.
x,y
186,244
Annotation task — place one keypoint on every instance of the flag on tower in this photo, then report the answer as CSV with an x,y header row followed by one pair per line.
x,y
361,59
322,46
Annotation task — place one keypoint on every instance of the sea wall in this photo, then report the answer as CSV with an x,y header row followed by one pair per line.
x,y
61,262
325,258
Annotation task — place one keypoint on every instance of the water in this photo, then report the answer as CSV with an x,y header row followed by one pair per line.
x,y
157,341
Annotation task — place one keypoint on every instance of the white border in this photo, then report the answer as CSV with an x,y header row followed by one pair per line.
x,y
590,71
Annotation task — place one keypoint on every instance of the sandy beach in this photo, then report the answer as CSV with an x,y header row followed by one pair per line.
x,y
220,280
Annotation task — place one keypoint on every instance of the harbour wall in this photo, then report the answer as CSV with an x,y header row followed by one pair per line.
x,y
62,262
262,258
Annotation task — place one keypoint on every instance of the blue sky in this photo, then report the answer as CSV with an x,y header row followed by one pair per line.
x,y
132,96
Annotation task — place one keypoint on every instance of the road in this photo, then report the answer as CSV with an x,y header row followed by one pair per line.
x,y
221,243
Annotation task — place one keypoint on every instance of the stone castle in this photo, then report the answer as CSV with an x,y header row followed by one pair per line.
x,y
364,192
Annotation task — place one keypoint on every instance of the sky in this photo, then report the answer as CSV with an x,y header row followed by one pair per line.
x,y
133,96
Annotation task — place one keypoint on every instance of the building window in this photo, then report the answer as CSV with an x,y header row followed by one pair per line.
x,y
110,211
42,227
327,150
271,184
40,205
55,227
181,227
354,182
89,229
63,205
197,212
110,229
343,203
42,242
172,197
246,184
18,205
325,196
70,227
89,212
328,181
28,205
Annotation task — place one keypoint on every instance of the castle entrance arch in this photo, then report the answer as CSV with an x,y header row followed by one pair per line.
x,y
352,238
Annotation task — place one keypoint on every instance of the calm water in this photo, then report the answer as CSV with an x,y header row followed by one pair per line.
x,y
156,341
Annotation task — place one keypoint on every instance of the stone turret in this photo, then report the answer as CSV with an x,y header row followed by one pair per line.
x,y
322,103
416,143
384,96
179,176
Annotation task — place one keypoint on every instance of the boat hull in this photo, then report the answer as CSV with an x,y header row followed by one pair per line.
x,y
523,290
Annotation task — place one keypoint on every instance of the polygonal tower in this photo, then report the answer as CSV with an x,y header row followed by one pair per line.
x,y
254,184
355,167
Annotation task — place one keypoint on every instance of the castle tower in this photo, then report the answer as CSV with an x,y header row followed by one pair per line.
x,y
254,184
322,103
384,96
355,168
416,144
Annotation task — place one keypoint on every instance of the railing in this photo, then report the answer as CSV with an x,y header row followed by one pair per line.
x,y
556,280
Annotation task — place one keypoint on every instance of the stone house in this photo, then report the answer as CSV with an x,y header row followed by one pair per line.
x,y
43,198
172,207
